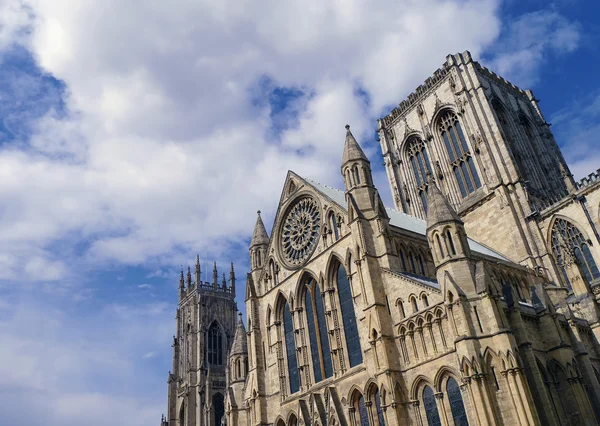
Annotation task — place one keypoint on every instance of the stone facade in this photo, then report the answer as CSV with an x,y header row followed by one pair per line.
x,y
475,302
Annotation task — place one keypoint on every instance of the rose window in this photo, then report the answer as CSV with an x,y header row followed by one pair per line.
x,y
300,231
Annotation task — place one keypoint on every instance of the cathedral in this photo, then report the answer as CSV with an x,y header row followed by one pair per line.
x,y
474,301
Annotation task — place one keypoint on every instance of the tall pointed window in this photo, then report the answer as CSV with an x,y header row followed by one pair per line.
x,y
456,403
215,345
317,331
290,348
566,236
360,413
378,410
421,166
333,226
348,317
461,160
430,405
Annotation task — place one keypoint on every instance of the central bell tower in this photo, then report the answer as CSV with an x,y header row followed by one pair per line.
x,y
206,325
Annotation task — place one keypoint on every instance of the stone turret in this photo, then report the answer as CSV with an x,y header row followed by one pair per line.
x,y
238,357
445,229
258,247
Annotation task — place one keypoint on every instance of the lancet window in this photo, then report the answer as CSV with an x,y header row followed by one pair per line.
x,y
215,345
317,331
461,161
348,316
290,348
430,405
568,241
421,166
456,403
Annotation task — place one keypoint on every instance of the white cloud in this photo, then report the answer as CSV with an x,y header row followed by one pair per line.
x,y
528,42
164,153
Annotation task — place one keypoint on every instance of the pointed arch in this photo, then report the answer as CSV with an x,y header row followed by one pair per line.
x,y
565,231
284,316
214,344
292,419
314,307
346,301
449,128
357,402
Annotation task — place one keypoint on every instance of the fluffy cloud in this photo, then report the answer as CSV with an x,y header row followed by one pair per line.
x,y
166,143
529,40
163,141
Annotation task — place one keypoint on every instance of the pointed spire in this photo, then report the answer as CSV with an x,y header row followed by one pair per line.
x,y
215,275
198,270
260,236
232,279
352,150
181,285
240,341
224,282
189,277
438,208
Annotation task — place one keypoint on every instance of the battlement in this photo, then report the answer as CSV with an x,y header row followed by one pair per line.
x,y
420,92
589,179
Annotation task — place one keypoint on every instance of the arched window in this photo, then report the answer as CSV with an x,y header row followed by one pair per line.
x,y
317,331
182,415
290,348
273,272
356,175
333,225
430,405
238,369
361,415
401,254
348,317
461,161
421,264
215,345
293,420
411,262
565,233
401,309
413,302
218,407
439,242
419,161
378,410
424,300
456,403
451,248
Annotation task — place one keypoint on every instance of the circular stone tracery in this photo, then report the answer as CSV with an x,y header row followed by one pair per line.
x,y
300,231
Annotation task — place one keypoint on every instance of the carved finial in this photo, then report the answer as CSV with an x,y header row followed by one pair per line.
x,y
215,275
258,212
347,126
189,277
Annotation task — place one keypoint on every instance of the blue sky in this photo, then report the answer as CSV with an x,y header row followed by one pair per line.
x,y
133,136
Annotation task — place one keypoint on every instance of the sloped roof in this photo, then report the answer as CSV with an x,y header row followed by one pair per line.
x,y
260,235
400,220
352,150
240,341
439,209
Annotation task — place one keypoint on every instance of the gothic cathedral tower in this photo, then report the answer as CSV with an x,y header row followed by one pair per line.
x,y
489,150
206,325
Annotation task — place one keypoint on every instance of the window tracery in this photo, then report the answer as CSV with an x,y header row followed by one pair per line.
x,y
421,166
461,161
317,331
567,242
348,316
215,345
290,346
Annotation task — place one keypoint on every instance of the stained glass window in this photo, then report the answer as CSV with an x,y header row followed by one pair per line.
x,y
456,403
334,226
362,416
349,317
215,345
433,417
379,410
218,407
565,233
419,160
290,347
317,330
463,166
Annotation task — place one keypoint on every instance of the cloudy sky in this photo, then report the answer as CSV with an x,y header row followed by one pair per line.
x,y
135,134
